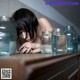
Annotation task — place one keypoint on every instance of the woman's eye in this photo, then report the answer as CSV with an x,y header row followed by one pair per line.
x,y
20,33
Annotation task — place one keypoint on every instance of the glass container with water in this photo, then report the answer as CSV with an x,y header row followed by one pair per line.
x,y
75,41
7,37
58,42
69,36
46,42
78,43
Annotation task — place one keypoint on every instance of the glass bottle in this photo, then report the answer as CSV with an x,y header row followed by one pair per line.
x,y
75,41
7,37
69,36
46,42
78,43
58,42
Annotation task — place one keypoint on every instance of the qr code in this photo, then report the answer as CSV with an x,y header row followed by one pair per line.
x,y
6,73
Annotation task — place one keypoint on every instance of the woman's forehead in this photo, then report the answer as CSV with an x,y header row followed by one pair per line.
x,y
21,30
24,32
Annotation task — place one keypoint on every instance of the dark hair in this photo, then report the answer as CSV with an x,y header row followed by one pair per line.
x,y
24,19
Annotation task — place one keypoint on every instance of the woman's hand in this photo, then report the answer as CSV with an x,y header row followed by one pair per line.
x,y
25,48
29,47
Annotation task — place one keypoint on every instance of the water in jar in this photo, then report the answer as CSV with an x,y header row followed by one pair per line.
x,y
46,43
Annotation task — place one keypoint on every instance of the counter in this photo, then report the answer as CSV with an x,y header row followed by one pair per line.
x,y
43,66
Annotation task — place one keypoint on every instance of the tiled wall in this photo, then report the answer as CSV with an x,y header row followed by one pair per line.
x,y
7,7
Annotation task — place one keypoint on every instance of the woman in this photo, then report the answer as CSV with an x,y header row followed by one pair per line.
x,y
29,30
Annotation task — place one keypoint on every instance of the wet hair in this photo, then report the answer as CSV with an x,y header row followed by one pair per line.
x,y
25,20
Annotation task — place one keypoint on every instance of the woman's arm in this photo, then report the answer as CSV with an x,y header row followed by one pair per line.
x,y
29,47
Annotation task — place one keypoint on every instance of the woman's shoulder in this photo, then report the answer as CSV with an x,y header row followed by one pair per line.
x,y
45,24
42,19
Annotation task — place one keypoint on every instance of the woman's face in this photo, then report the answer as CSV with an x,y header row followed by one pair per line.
x,y
24,37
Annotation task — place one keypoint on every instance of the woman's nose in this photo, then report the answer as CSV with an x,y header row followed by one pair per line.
x,y
23,35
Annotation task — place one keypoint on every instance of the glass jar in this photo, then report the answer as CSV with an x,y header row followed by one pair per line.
x,y
58,42
7,36
4,43
46,42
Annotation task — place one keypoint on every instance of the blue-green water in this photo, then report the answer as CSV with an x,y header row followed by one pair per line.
x,y
46,49
4,48
59,44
